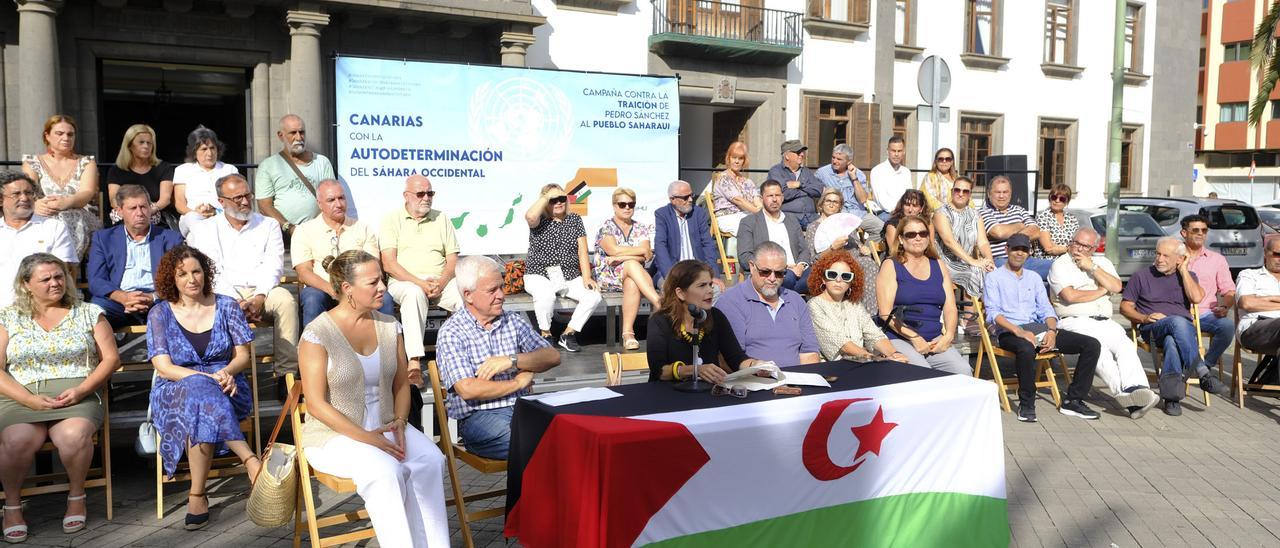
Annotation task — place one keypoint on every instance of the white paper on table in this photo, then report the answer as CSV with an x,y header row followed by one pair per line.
x,y
580,395
805,379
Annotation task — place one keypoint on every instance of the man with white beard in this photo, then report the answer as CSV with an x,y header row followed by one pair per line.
x,y
419,252
285,182
248,252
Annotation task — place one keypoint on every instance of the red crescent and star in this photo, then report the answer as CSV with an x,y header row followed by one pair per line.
x,y
870,438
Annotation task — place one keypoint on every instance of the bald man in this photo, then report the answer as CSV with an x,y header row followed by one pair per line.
x,y
419,251
285,182
328,235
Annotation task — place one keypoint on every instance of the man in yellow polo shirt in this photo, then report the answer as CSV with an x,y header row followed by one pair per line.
x,y
419,251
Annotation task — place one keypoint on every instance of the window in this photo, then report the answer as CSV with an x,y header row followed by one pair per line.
x,y
1238,51
1058,43
852,11
1131,158
904,122
900,123
980,27
1133,38
1275,109
830,120
1234,112
1202,57
902,22
977,135
1055,153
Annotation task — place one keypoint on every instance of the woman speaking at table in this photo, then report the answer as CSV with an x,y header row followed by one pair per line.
x,y
687,319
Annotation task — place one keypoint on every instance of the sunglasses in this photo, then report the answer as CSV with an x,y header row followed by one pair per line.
x,y
834,275
685,197
917,234
1198,230
962,191
943,159
423,194
735,391
559,200
1060,198
766,273
625,205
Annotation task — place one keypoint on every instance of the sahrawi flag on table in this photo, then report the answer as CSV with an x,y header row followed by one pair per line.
x,y
909,464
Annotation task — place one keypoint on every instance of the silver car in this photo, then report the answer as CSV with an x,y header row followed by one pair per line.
x,y
1234,228
1138,236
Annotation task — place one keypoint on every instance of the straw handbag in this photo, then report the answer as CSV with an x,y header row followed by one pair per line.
x,y
274,497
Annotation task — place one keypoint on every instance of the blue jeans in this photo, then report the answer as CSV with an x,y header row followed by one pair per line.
x,y
799,284
1223,331
487,432
314,302
1177,336
1034,264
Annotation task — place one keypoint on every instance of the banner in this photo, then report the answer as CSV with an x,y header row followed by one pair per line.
x,y
489,138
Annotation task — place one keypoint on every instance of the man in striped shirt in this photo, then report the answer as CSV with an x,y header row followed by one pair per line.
x,y
1003,219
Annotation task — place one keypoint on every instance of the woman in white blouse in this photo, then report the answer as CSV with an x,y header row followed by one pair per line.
x,y
194,195
844,328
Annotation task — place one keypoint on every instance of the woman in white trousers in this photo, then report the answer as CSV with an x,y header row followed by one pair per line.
x,y
557,263
355,380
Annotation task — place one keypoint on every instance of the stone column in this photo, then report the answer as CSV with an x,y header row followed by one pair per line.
x,y
884,67
306,79
515,44
39,96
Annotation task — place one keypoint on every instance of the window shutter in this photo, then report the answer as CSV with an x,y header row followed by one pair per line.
x,y
812,132
866,140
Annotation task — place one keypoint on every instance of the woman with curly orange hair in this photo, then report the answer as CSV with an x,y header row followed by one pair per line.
x,y
844,328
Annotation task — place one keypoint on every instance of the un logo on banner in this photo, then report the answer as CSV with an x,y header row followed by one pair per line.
x,y
524,118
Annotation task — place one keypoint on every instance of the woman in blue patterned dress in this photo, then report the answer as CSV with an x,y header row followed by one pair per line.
x,y
198,343
55,353
624,249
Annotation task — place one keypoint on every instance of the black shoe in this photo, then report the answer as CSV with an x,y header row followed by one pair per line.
x,y
1172,408
569,341
196,521
1212,385
1077,408
551,339
1027,413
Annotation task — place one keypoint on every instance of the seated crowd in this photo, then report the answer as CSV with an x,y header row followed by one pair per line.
x,y
198,254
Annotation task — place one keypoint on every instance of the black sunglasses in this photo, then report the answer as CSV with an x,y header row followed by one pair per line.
x,y
423,194
1060,198
916,234
625,205
962,191
833,275
685,197
559,200
943,159
766,273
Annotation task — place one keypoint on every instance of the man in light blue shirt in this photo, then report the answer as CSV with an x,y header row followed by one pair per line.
x,y
841,175
1020,316
123,259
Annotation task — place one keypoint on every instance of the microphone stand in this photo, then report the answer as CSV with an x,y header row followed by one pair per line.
x,y
693,385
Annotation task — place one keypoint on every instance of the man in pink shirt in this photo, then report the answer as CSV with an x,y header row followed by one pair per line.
x,y
1214,276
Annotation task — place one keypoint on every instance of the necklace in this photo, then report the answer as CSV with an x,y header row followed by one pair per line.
x,y
686,337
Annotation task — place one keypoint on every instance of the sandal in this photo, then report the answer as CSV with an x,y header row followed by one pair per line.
x,y
75,523
245,463
15,534
196,521
629,341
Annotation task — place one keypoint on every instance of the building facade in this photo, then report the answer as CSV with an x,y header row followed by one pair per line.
x,y
1030,78
1232,158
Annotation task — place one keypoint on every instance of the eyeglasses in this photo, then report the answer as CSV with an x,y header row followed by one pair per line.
x,y
943,159
559,200
917,234
1198,230
912,203
962,191
1060,198
625,205
423,194
685,197
20,194
246,197
1081,244
737,391
1275,254
766,273
834,275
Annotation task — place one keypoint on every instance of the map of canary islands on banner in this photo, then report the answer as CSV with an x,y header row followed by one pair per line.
x,y
489,138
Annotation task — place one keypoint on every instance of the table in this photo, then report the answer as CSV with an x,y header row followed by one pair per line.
x,y
890,455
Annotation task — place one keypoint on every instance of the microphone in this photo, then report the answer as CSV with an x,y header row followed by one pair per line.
x,y
699,315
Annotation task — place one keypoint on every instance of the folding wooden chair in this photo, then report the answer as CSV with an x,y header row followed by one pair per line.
x,y
617,363
728,264
56,482
875,249
1256,382
1044,374
454,452
1157,352
306,506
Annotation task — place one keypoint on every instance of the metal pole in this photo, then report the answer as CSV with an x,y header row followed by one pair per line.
x,y
1113,153
935,109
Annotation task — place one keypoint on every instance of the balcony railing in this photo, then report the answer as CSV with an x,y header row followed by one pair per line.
x,y
722,23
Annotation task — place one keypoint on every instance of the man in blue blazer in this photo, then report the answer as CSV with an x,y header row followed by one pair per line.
x,y
683,232
123,259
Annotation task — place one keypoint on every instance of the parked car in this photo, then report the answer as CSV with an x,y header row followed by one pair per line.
x,y
1234,228
1138,234
1270,217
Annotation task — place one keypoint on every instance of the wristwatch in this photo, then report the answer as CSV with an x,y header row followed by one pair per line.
x,y
514,358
